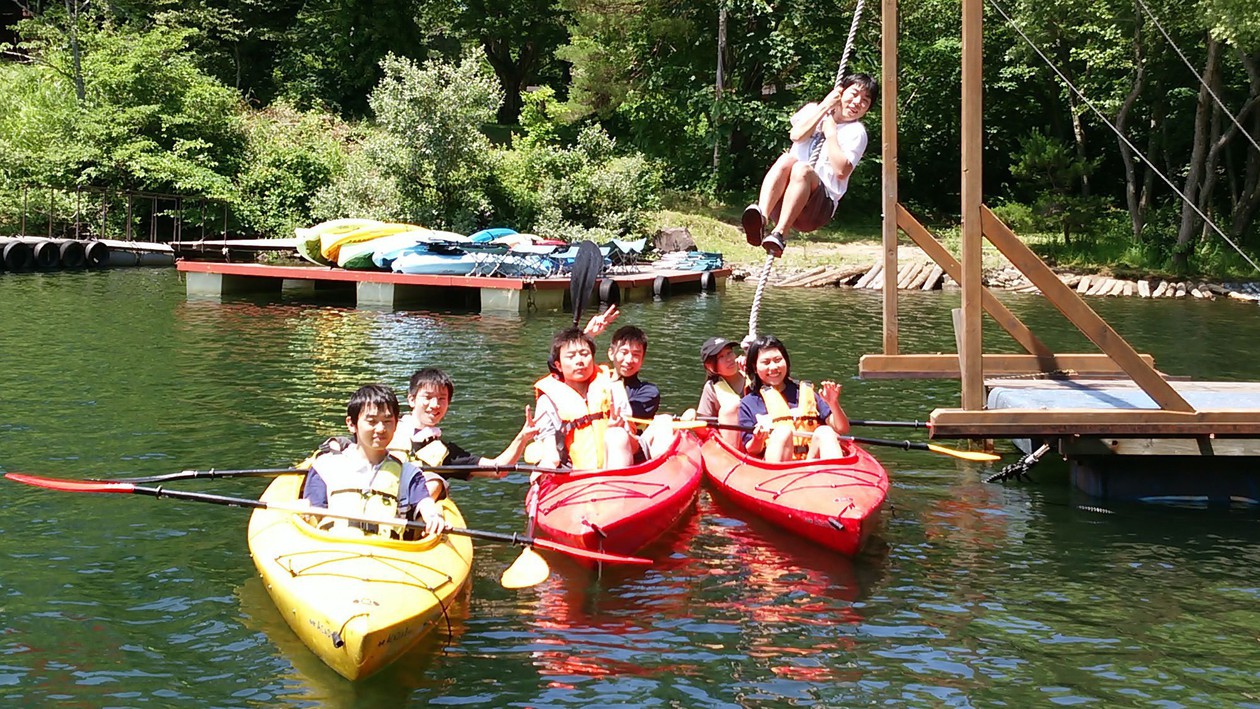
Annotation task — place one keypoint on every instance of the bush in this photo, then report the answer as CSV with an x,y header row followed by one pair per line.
x,y
363,189
290,156
425,160
585,190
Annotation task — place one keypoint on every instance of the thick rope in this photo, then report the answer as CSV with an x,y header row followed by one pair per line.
x,y
816,149
815,152
756,304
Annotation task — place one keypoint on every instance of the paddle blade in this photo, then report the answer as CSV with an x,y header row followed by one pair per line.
x,y
70,485
529,569
587,264
976,456
589,554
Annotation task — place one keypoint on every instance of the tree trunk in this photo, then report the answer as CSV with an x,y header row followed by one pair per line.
x,y
513,74
72,12
1202,125
1247,200
718,82
1137,215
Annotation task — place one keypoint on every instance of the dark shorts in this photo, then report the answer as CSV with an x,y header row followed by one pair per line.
x,y
817,212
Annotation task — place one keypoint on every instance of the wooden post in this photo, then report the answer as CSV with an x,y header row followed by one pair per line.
x,y
888,132
971,353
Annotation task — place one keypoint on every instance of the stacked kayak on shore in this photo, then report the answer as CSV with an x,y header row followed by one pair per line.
x,y
356,602
366,244
836,503
620,511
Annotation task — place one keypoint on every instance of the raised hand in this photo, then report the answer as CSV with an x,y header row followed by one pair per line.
x,y
831,393
529,430
600,321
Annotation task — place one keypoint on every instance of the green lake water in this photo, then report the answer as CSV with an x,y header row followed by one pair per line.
x,y
974,595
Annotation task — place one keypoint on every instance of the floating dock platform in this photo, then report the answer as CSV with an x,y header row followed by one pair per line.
x,y
1119,444
379,290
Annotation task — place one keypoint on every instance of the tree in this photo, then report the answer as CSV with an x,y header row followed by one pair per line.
x,y
149,117
518,37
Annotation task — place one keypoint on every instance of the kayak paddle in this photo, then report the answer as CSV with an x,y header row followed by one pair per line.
x,y
65,485
213,474
974,456
861,422
587,264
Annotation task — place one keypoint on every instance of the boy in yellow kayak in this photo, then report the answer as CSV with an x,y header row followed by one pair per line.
x,y
429,394
777,407
577,421
367,481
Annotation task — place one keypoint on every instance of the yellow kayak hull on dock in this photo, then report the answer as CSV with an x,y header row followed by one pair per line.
x,y
357,602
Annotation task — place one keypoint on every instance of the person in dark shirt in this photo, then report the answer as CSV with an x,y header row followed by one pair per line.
x,y
769,367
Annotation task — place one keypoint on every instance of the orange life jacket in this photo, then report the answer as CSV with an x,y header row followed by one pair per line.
x,y
803,418
583,420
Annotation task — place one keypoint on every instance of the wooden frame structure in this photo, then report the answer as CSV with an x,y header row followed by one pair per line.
x,y
1174,417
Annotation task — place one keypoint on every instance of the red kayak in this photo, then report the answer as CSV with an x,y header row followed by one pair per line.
x,y
623,510
835,502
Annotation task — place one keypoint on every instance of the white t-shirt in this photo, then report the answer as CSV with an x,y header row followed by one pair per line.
x,y
851,138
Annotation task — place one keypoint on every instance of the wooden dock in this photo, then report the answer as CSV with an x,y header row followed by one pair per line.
x,y
379,290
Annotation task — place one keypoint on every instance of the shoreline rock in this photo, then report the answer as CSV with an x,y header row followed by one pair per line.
x,y
926,275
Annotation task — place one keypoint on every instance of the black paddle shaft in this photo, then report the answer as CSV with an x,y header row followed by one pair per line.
x,y
587,264
515,539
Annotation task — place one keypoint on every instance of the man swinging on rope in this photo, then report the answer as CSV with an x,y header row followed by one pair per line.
x,y
803,187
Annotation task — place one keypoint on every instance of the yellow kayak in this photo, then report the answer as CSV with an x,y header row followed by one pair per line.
x,y
357,603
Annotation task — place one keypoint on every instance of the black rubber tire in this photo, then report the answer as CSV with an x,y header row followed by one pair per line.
x,y
17,256
660,287
47,255
609,292
73,255
708,282
96,254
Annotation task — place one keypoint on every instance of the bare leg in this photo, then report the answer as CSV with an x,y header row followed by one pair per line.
x,y
825,444
775,181
801,185
779,445
618,452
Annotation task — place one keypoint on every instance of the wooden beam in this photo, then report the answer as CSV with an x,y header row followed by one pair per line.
x,y
945,366
943,258
1023,423
888,133
1081,315
1198,447
972,350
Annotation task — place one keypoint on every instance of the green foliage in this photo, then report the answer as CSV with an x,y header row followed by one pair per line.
x,y
1055,172
1234,21
569,192
424,161
333,52
362,189
150,119
289,157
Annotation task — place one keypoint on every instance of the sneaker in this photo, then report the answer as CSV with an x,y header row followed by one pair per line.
x,y
774,244
754,223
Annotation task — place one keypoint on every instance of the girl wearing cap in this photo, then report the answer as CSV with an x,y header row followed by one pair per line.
x,y
778,407
724,385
